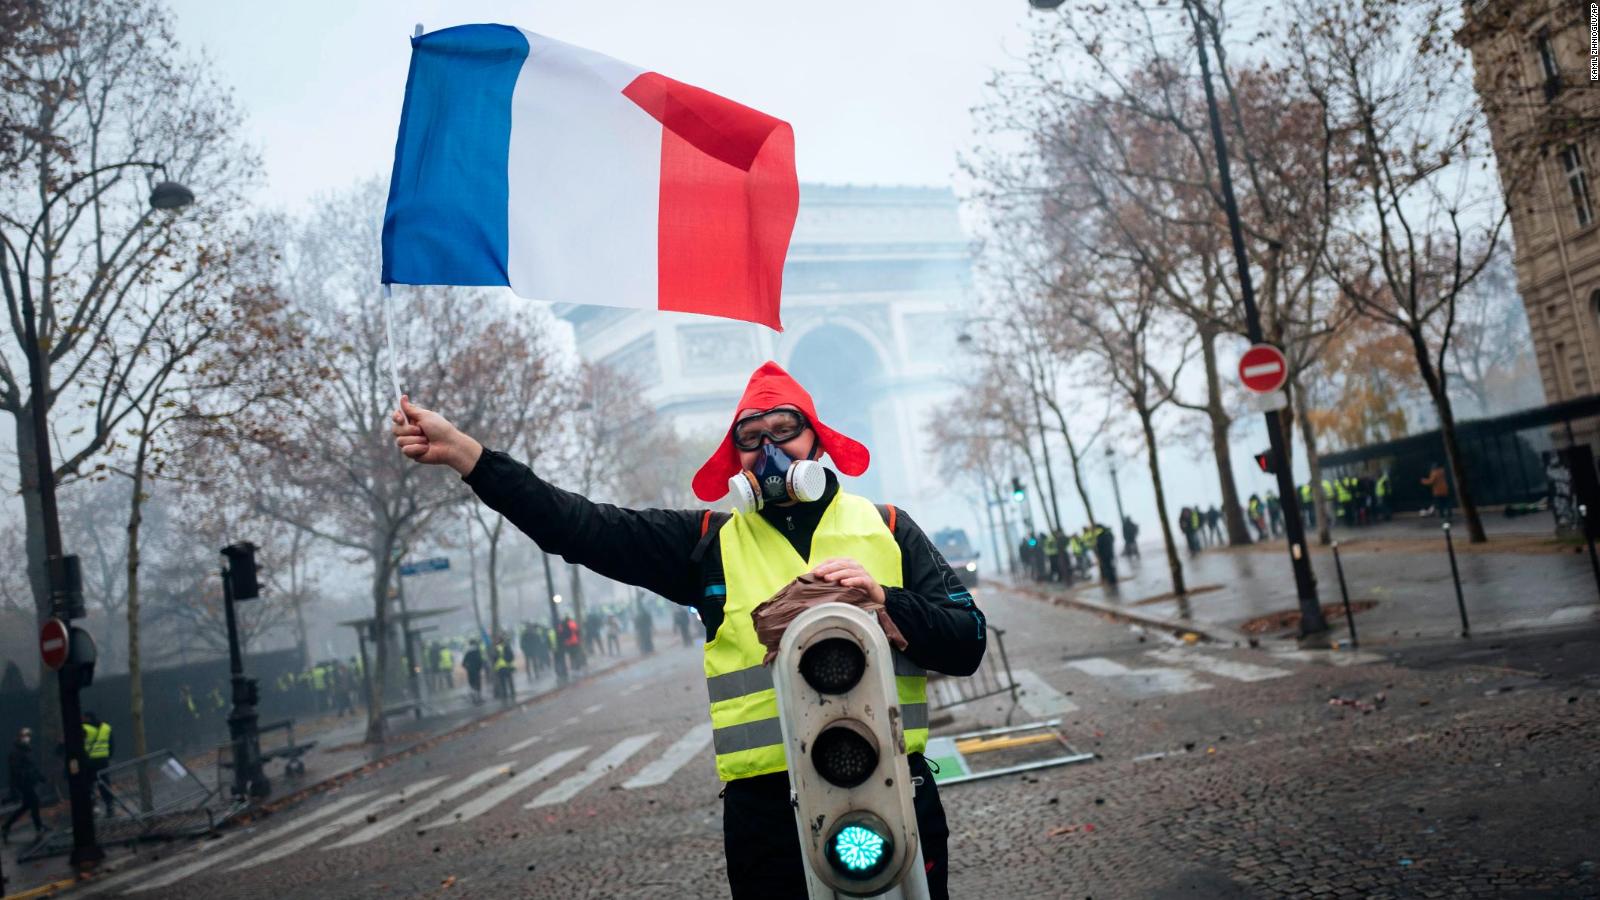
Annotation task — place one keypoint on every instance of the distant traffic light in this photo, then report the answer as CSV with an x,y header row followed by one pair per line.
x,y
1018,493
844,737
241,572
1267,462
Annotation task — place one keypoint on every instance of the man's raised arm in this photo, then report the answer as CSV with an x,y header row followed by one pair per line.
x,y
649,548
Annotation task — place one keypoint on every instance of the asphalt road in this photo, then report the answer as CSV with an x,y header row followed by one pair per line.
x,y
1444,771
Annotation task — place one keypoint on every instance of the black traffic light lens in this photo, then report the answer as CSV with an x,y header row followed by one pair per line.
x,y
860,846
843,756
833,666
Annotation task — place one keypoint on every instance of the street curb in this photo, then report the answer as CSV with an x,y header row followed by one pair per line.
x,y
1220,634
341,778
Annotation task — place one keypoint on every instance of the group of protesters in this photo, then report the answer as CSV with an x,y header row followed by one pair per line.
x,y
1069,557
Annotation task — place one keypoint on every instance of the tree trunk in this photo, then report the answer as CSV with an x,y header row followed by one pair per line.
x,y
494,587
1077,468
577,594
1447,431
1044,450
50,733
1221,422
135,666
383,571
1308,436
1174,564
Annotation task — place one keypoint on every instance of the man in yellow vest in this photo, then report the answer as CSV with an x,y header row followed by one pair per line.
x,y
98,747
791,519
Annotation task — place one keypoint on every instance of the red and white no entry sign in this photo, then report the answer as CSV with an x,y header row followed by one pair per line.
x,y
1263,369
53,643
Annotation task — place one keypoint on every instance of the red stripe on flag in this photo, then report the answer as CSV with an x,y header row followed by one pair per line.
x,y
728,201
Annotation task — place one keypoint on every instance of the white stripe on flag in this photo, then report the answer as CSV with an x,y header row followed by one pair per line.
x,y
584,185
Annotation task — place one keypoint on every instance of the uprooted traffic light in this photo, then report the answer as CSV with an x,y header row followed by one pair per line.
x,y
844,736
1267,462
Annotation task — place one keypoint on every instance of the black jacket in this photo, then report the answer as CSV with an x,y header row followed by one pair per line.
x,y
24,772
663,550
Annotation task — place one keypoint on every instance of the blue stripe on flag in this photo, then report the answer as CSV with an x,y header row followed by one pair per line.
x,y
446,218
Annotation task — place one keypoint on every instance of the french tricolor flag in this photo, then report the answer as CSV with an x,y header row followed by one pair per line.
x,y
573,177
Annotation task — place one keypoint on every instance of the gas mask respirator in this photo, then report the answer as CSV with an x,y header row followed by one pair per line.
x,y
777,479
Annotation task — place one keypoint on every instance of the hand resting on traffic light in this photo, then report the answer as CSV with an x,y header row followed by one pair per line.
x,y
772,618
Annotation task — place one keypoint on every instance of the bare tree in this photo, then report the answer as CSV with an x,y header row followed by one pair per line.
x,y
80,245
1400,88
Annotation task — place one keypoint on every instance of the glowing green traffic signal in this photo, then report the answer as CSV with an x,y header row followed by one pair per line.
x,y
861,846
858,848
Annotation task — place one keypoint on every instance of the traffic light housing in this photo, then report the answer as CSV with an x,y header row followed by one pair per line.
x,y
844,739
1267,462
1018,493
241,574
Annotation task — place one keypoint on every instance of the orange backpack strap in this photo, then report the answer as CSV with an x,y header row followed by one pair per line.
x,y
705,523
887,510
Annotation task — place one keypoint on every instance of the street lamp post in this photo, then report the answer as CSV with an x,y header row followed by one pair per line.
x,y
66,601
1111,460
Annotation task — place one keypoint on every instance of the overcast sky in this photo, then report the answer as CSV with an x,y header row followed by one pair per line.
x,y
878,93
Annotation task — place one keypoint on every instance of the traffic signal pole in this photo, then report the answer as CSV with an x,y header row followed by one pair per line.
x,y
1311,619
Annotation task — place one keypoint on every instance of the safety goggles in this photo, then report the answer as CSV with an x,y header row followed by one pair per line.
x,y
775,425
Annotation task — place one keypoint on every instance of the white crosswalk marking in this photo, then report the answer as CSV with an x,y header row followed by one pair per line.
x,y
1328,657
110,884
520,746
1216,665
662,768
632,688
513,786
591,710
1040,699
567,789
1140,682
182,872
323,832
433,802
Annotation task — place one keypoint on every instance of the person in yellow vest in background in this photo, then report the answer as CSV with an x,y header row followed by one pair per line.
x,y
791,518
97,748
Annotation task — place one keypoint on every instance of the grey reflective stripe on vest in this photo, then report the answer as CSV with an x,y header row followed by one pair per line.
x,y
729,685
904,666
914,715
747,736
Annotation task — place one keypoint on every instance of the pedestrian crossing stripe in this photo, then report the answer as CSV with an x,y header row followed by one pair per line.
x,y
522,745
431,803
1140,682
513,786
668,763
1217,665
597,767
184,871
312,836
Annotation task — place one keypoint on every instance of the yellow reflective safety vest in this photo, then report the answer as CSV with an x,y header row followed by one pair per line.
x,y
97,741
757,562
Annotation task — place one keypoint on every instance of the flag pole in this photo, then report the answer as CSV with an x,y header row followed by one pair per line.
x,y
388,334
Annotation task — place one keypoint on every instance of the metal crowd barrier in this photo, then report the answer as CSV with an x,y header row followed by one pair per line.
x,y
992,679
153,797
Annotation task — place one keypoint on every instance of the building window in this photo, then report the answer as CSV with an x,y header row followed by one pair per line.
x,y
1547,65
1578,183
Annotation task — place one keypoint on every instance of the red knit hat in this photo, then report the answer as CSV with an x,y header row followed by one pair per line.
x,y
771,386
